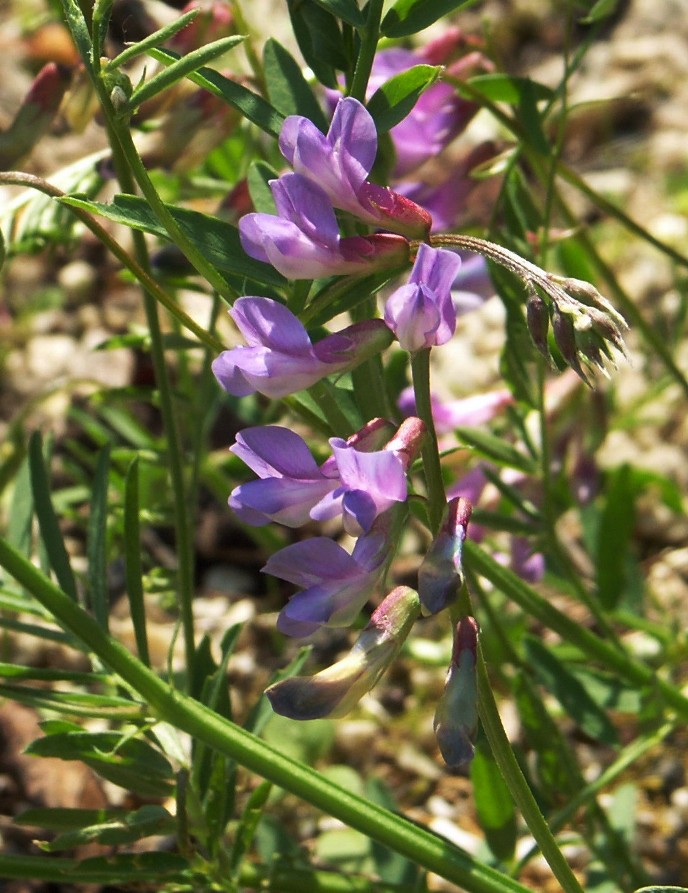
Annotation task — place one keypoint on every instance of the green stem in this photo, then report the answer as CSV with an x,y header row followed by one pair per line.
x,y
182,513
628,757
574,633
370,388
511,772
366,53
419,845
437,498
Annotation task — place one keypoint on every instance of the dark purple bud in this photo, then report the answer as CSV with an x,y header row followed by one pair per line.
x,y
456,717
440,576
537,319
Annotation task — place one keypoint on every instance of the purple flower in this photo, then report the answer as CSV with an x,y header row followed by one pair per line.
x,y
528,564
421,314
303,242
451,414
290,483
340,162
371,482
335,584
334,691
357,482
280,358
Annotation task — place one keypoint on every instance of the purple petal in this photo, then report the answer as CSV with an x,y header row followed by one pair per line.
x,y
274,451
286,247
244,370
230,375
304,203
267,323
339,162
310,562
353,136
379,473
359,510
414,317
283,500
471,487
436,268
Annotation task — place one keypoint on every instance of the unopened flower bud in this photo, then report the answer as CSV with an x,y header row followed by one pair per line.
x,y
336,690
394,211
408,440
586,293
35,114
440,576
456,717
537,318
565,338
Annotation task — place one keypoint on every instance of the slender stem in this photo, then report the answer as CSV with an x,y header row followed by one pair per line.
x,y
514,778
416,843
437,498
519,266
19,178
182,513
627,758
368,379
366,53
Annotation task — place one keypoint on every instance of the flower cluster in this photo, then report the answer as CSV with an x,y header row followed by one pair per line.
x,y
359,483
330,171
280,358
364,483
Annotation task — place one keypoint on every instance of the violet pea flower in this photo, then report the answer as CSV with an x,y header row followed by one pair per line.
x,y
421,314
464,412
290,482
372,481
334,691
335,584
303,241
339,163
280,358
359,484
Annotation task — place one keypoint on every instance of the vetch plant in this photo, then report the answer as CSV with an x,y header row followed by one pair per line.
x,y
344,277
